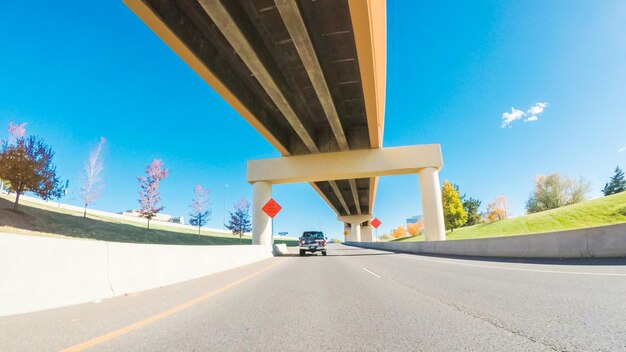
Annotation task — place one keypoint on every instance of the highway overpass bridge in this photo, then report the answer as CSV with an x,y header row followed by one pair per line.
x,y
309,76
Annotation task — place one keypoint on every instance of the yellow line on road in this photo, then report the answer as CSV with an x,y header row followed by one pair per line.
x,y
164,314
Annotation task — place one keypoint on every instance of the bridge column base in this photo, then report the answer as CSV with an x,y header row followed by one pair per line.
x,y
366,234
261,222
434,226
355,225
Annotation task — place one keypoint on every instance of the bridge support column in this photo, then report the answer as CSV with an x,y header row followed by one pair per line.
x,y
430,189
261,222
355,225
366,234
346,231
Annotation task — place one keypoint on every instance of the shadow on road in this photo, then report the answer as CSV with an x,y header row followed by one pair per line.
x,y
337,255
551,261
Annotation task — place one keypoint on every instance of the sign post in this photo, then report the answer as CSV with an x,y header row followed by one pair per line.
x,y
376,223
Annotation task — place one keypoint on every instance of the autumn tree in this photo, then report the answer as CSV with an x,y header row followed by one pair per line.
x,y
616,184
497,209
149,196
416,228
26,165
239,222
91,177
399,232
200,212
453,213
554,191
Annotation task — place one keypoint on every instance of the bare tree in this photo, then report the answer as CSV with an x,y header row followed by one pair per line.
x,y
92,179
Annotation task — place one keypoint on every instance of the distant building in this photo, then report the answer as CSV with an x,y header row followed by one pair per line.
x,y
159,217
414,219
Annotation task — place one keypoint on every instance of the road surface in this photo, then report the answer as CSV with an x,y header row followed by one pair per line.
x,y
351,300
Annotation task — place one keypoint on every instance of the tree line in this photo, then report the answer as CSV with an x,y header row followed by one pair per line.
x,y
26,165
549,192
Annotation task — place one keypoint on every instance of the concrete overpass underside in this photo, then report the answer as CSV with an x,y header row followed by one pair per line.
x,y
308,75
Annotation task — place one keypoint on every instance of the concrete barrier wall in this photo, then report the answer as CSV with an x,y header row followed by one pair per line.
x,y
41,272
596,242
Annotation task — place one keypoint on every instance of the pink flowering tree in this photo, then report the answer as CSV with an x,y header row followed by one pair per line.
x,y
200,207
16,131
239,221
92,180
149,196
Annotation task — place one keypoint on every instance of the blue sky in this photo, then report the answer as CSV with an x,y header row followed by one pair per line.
x,y
78,70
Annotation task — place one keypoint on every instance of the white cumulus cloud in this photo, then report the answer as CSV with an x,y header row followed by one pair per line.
x,y
531,118
509,117
532,114
535,111
537,108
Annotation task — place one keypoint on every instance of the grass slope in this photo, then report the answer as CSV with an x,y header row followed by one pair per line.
x,y
596,212
40,220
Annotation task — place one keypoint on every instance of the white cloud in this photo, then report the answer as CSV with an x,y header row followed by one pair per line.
x,y
508,118
537,109
531,118
531,115
621,149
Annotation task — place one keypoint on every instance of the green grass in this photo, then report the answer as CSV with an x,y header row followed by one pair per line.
x,y
596,212
43,220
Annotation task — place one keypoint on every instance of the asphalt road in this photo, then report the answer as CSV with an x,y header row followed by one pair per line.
x,y
352,300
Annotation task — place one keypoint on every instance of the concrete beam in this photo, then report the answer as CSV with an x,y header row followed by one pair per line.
x,y
229,28
354,219
292,17
369,23
337,191
160,28
355,195
297,30
346,165
290,13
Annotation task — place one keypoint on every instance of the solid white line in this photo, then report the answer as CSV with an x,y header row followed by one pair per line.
x,y
517,269
373,273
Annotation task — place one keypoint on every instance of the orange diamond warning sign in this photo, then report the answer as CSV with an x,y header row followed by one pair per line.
x,y
271,208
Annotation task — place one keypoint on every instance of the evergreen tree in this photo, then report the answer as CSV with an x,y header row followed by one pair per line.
x,y
471,206
200,212
453,213
616,184
239,222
